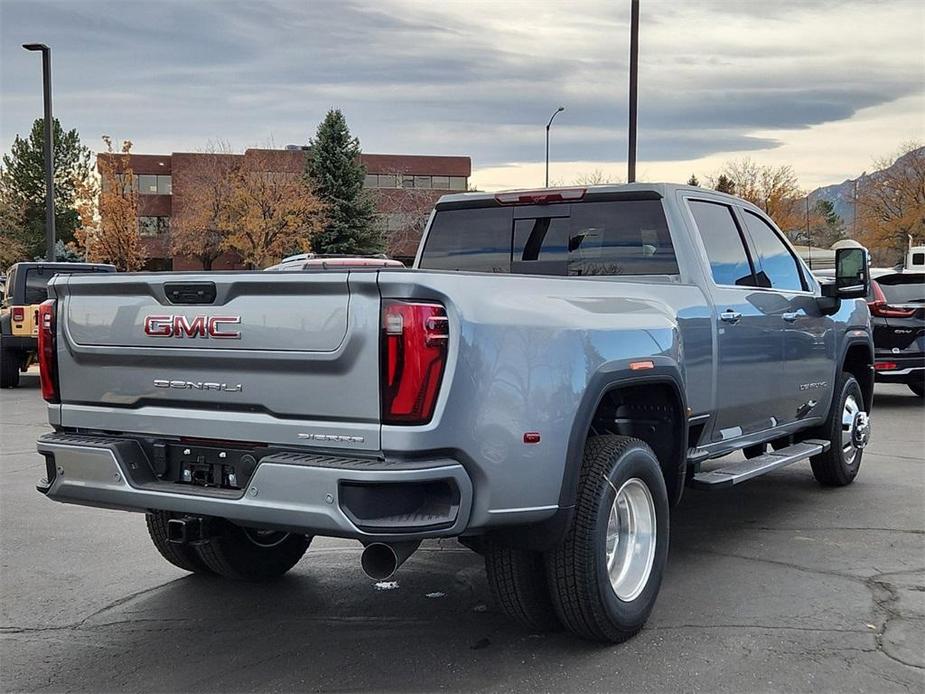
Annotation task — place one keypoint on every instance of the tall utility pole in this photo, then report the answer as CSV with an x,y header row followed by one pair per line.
x,y
49,150
634,73
548,126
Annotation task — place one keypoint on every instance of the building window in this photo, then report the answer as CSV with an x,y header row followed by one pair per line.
x,y
153,226
415,181
150,184
124,180
147,184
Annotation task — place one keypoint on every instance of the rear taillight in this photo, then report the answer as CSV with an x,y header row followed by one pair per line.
x,y
414,346
19,314
885,366
880,308
48,354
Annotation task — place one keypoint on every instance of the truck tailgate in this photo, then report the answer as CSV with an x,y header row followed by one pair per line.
x,y
274,357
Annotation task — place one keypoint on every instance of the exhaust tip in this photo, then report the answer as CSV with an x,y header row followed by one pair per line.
x,y
379,561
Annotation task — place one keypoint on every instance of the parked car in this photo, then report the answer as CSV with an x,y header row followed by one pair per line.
x,y
897,309
24,291
543,384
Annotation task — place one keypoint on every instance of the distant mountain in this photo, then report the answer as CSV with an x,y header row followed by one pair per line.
x,y
841,195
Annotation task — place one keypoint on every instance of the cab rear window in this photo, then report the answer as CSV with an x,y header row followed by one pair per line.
x,y
617,238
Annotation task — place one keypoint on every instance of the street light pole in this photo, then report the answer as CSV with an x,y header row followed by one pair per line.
x,y
634,83
49,150
548,126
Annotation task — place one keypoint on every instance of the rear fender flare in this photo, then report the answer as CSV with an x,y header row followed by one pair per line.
x,y
611,377
863,339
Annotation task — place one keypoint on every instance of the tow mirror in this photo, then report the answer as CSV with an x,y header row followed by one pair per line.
x,y
852,275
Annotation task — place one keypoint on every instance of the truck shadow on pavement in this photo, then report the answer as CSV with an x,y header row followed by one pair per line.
x,y
769,557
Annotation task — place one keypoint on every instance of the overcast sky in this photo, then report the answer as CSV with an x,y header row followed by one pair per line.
x,y
824,86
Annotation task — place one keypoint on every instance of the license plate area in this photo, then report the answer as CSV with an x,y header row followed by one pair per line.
x,y
206,466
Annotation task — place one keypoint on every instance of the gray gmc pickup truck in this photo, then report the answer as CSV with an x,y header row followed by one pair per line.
x,y
543,384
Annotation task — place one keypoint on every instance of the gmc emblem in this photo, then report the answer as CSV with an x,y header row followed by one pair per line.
x,y
197,326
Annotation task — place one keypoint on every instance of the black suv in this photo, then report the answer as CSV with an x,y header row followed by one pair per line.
x,y
897,315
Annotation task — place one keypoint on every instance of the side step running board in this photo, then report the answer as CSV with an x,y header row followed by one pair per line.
x,y
745,470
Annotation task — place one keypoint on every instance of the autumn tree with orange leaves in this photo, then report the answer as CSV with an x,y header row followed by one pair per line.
x,y
198,227
890,205
112,236
269,213
773,189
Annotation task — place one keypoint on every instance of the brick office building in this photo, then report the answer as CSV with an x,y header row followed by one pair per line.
x,y
405,187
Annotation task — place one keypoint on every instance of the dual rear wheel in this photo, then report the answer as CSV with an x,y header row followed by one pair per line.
x,y
601,580
243,554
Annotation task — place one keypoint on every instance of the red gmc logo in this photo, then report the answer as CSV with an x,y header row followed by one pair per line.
x,y
197,326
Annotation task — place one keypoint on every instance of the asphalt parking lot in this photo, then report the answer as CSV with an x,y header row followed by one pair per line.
x,y
775,585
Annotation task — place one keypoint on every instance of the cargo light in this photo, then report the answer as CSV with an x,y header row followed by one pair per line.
x,y
540,197
48,352
880,308
415,336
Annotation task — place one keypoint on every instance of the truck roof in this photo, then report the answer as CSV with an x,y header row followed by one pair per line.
x,y
663,190
63,266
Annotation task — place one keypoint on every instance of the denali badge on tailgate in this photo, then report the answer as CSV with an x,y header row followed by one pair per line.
x,y
198,385
197,326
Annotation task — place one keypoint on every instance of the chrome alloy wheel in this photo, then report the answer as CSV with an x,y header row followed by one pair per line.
x,y
855,429
630,541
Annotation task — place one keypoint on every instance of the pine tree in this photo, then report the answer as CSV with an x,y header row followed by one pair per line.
x,y
693,181
724,184
336,174
22,186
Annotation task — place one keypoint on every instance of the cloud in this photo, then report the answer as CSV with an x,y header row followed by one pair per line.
x,y
475,77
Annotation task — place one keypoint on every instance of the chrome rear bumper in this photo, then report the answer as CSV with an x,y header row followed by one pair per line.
x,y
288,491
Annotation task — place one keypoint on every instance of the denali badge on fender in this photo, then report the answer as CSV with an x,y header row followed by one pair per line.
x,y
198,385
197,326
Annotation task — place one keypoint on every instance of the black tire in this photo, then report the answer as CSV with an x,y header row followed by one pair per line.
x,y
10,361
246,554
918,389
517,578
836,467
182,556
577,571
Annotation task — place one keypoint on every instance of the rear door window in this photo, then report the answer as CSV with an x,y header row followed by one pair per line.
x,y
777,267
624,237
729,261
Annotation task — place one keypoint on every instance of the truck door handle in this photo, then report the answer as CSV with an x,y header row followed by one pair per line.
x,y
790,317
730,316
